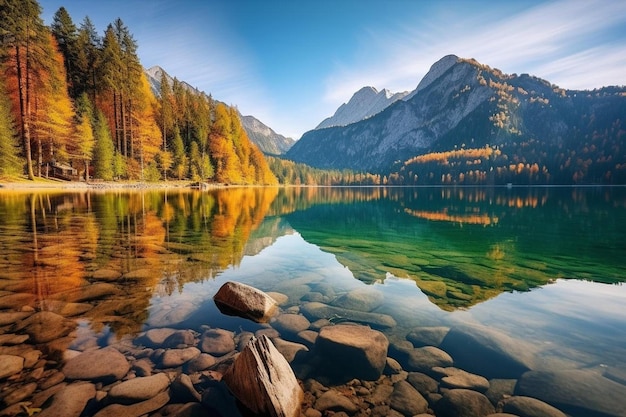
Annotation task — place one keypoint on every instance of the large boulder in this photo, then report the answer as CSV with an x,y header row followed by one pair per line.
x,y
485,352
262,380
352,351
237,299
576,392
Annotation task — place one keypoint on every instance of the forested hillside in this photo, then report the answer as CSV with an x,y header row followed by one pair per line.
x,y
76,104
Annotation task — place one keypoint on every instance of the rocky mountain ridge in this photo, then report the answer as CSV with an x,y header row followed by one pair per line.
x,y
460,105
264,137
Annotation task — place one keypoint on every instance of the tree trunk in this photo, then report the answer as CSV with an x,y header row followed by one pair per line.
x,y
24,112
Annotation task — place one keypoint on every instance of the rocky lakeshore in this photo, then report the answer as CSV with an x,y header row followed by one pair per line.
x,y
343,367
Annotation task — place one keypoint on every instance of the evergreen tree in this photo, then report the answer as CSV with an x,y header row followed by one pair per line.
x,y
66,35
84,131
88,50
10,163
104,150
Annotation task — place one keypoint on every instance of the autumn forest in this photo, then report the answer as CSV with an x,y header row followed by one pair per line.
x,y
77,105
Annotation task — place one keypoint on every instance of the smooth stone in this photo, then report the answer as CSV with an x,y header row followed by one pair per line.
x,y
18,394
173,358
183,389
360,299
103,365
263,381
217,342
235,298
279,297
70,401
425,358
499,389
67,309
289,349
427,336
11,317
16,301
486,352
407,399
463,403
333,400
422,382
137,409
290,323
530,407
315,311
575,392
10,339
142,367
105,274
200,363
138,389
392,367
458,378
269,332
45,326
308,337
94,291
180,338
352,350
381,394
10,365
154,338
55,377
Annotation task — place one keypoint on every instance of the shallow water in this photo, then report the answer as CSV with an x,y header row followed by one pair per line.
x,y
540,265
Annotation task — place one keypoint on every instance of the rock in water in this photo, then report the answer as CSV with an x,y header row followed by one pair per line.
x,y
234,298
352,351
263,381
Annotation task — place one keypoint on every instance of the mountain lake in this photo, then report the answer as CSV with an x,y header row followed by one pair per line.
x,y
505,280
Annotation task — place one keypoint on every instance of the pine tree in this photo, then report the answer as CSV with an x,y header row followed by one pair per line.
x,y
88,51
10,163
66,35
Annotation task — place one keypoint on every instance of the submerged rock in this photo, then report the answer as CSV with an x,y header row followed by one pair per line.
x,y
70,401
315,311
463,403
352,351
10,365
361,299
263,381
530,407
46,326
105,365
139,389
407,399
237,299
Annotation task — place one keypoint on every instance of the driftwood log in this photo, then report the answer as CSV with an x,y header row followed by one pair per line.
x,y
262,380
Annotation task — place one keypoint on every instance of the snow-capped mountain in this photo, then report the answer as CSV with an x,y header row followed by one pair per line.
x,y
364,103
268,141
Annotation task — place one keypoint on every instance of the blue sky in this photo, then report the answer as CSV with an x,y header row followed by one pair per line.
x,y
291,63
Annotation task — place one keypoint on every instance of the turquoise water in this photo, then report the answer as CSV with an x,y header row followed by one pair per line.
x,y
544,266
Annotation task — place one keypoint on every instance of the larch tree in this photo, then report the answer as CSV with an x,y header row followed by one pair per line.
x,y
85,140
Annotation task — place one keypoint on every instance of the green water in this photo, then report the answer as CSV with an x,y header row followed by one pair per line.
x,y
543,265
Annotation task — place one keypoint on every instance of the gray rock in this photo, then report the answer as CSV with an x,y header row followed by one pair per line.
x,y
483,351
360,299
499,389
263,381
137,409
422,382
45,326
407,399
70,401
235,298
10,365
333,400
458,378
427,336
173,358
315,311
290,323
424,359
463,403
102,365
352,351
575,392
530,407
138,389
217,342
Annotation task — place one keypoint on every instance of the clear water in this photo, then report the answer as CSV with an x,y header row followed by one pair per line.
x,y
542,265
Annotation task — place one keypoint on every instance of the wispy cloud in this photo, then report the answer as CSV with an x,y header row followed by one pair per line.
x,y
575,44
